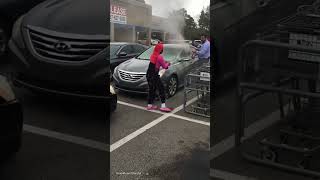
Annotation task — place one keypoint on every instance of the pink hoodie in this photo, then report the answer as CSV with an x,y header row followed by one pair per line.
x,y
161,63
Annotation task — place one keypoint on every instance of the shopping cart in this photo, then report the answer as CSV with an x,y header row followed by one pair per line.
x,y
284,62
197,82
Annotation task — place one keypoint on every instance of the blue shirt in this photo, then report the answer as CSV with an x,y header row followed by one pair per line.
x,y
204,52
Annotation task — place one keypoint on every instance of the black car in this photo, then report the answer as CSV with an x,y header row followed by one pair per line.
x,y
56,48
11,118
10,10
123,51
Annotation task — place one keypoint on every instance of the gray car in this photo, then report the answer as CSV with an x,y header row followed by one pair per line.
x,y
130,76
122,51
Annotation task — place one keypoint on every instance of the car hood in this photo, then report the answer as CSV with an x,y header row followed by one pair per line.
x,y
135,65
70,16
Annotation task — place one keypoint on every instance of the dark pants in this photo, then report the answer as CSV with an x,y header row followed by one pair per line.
x,y
155,84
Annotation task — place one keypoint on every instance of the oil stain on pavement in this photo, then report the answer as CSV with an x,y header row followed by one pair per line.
x,y
189,165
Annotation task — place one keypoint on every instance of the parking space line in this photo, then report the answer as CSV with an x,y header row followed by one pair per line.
x,y
172,114
228,175
131,136
139,107
190,119
138,132
228,143
66,137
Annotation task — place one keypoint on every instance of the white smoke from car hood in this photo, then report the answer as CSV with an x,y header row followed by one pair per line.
x,y
174,25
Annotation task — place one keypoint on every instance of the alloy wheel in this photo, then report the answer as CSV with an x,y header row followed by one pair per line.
x,y
172,86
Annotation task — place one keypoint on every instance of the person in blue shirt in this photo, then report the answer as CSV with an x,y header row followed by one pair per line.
x,y
204,51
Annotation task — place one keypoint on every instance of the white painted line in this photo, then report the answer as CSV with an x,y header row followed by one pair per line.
x,y
222,147
191,120
136,133
172,114
67,138
139,107
131,136
250,131
228,175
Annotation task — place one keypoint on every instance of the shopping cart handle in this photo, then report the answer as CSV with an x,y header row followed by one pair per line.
x,y
279,45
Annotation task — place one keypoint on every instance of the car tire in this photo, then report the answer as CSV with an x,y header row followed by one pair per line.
x,y
15,142
172,86
16,145
3,41
10,153
113,108
113,104
18,139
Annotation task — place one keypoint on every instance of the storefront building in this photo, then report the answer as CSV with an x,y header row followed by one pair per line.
x,y
132,21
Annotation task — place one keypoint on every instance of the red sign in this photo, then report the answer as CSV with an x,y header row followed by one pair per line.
x,y
117,10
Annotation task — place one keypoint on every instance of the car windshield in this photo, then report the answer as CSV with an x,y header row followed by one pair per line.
x,y
114,49
169,53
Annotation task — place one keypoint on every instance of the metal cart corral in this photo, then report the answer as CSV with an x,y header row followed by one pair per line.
x,y
285,63
198,82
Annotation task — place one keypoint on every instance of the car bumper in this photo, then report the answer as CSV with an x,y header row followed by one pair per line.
x,y
25,84
81,80
140,87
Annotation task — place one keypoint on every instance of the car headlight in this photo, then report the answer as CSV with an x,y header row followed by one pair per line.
x,y
112,91
17,32
6,91
161,72
115,70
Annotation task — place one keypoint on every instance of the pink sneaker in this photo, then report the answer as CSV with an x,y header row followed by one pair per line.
x,y
153,107
166,109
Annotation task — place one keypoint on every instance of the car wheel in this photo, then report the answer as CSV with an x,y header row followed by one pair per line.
x,y
113,107
3,41
172,86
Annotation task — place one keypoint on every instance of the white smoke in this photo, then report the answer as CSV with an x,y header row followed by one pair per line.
x,y
163,8
174,25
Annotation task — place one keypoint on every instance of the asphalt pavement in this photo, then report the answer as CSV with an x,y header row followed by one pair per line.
x,y
66,139
63,139
155,145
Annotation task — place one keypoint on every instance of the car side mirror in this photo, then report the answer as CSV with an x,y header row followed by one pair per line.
x,y
122,54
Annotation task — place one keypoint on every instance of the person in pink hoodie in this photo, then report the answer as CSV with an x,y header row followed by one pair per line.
x,y
156,62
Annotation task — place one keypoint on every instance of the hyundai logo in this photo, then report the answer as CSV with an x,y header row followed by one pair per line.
x,y
61,46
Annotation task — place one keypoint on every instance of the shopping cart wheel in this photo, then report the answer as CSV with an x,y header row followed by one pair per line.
x,y
305,163
284,138
268,154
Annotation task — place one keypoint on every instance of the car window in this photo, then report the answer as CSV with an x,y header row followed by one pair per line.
x,y
186,53
139,49
127,49
169,53
114,49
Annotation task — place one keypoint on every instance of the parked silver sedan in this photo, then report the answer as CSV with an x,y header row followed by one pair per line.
x,y
130,76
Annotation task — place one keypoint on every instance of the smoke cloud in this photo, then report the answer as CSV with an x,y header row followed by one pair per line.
x,y
175,24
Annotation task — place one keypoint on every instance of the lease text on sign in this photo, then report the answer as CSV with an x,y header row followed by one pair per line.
x,y
117,10
118,14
